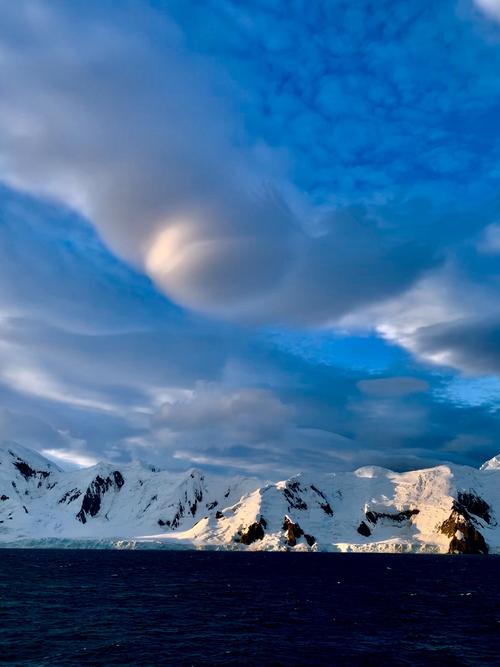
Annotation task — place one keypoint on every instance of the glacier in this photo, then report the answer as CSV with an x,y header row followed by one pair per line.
x,y
445,509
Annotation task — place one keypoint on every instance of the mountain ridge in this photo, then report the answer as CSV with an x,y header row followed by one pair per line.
x,y
445,509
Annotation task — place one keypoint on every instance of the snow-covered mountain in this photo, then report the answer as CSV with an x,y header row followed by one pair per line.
x,y
446,509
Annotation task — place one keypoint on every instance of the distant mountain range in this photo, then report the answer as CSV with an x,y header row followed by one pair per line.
x,y
446,509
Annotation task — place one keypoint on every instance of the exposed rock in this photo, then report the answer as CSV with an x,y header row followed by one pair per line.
x,y
153,499
364,530
326,508
27,471
93,496
4,497
177,517
292,531
291,493
311,541
325,505
254,532
465,538
70,496
404,515
316,490
474,504
219,515
118,477
213,505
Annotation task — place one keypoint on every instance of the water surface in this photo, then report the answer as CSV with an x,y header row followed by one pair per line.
x,y
74,607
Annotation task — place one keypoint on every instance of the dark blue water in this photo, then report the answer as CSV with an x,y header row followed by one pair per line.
x,y
206,608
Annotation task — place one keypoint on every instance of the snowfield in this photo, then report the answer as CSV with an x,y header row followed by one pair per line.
x,y
446,509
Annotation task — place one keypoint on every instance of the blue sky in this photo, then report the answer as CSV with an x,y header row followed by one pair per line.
x,y
255,238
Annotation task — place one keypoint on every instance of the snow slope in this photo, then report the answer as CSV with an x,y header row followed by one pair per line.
x,y
446,509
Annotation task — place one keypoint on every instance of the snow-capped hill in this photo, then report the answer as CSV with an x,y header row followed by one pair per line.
x,y
11,452
492,464
446,509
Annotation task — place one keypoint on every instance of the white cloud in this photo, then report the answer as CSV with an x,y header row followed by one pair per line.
x,y
489,242
489,7
73,458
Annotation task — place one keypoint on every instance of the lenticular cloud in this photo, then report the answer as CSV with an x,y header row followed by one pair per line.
x,y
141,141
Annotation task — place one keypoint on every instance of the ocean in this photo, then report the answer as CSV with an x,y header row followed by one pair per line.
x,y
86,607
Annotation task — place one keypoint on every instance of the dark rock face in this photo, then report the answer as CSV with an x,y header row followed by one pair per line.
x,y
292,531
474,504
27,471
465,538
292,492
70,496
254,532
462,524
4,497
187,505
325,505
398,517
219,515
326,508
311,541
153,499
92,499
118,477
174,523
211,506
364,530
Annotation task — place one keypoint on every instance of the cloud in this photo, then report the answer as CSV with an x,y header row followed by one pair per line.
x,y
490,7
471,344
393,386
300,167
73,458
146,140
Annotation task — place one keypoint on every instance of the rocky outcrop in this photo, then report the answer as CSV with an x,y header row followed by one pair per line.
x,y
474,504
293,531
92,499
324,504
465,538
70,496
27,471
188,504
292,492
364,530
463,524
398,517
254,532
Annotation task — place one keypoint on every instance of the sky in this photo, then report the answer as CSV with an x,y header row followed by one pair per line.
x,y
255,238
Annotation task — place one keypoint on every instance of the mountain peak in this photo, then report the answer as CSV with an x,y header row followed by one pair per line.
x,y
491,464
13,450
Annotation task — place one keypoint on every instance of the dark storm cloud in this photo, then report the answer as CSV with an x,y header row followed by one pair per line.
x,y
473,344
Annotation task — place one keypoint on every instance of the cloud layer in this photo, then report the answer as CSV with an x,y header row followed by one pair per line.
x,y
150,141
220,199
